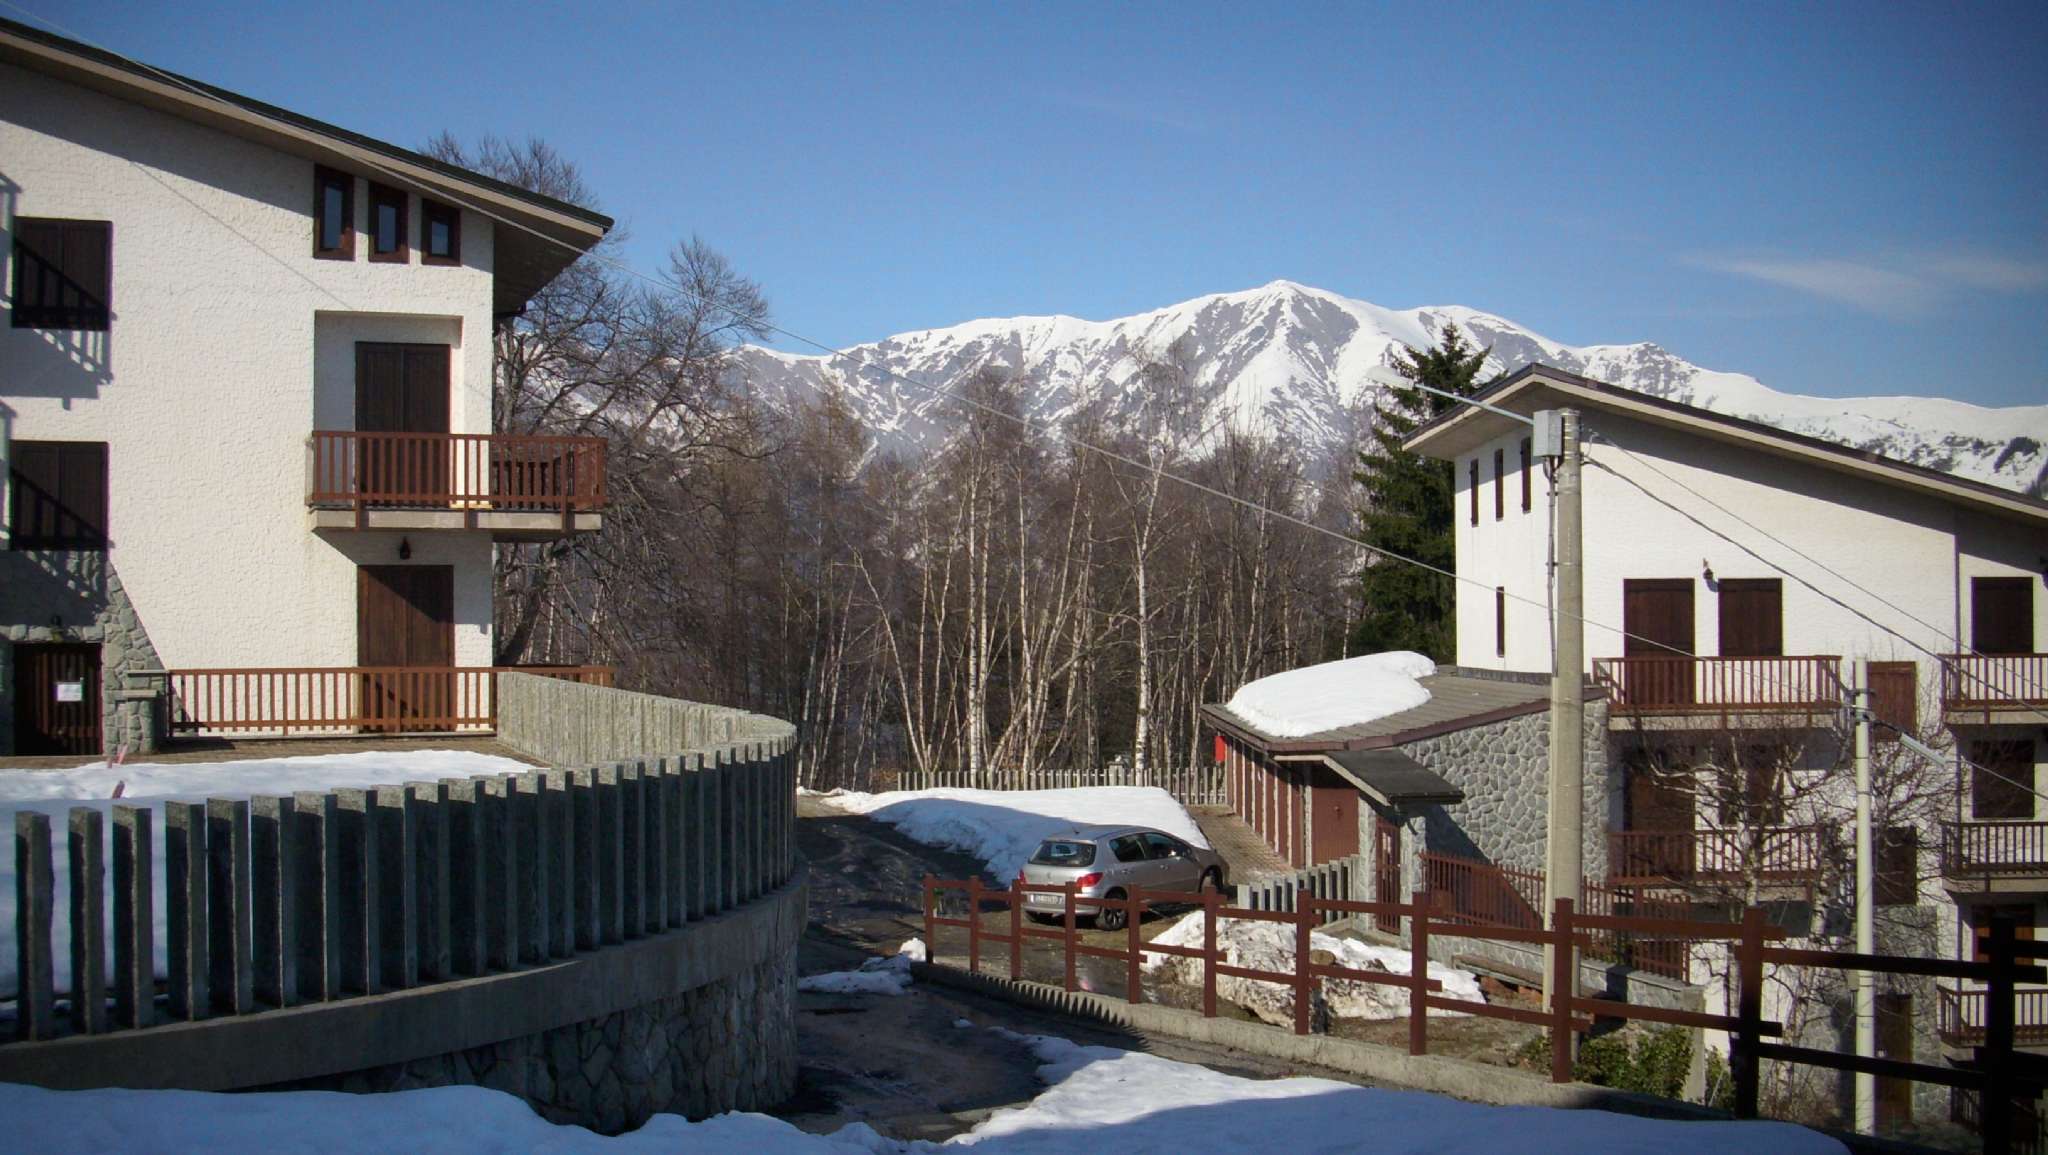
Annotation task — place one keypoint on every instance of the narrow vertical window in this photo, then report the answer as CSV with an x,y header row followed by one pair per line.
x,y
1525,475
388,225
334,215
1475,490
440,233
1500,621
1500,484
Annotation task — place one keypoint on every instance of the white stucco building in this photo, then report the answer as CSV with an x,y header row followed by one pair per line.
x,y
245,405
1731,573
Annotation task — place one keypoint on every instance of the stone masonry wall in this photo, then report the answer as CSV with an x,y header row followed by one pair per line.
x,y
1503,770
76,596
725,1046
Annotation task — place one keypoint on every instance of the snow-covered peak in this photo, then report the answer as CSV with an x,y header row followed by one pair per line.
x,y
1305,365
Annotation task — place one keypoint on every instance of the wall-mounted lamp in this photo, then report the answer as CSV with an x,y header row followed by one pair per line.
x,y
404,549
1706,571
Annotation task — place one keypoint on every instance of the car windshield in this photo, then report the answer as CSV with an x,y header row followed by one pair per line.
x,y
1064,852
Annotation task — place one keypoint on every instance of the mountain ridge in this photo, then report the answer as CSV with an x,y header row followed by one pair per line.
x,y
1305,364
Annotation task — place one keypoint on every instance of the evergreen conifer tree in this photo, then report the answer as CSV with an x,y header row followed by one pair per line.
x,y
1407,507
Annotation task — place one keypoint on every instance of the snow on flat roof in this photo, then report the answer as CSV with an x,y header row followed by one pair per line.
x,y
1351,692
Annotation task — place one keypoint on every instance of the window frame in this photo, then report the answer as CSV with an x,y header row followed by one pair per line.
x,y
1500,484
59,318
323,179
1500,621
1475,490
93,538
380,194
1528,447
430,211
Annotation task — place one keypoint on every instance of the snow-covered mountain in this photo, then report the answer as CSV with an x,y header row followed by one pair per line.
x,y
1305,365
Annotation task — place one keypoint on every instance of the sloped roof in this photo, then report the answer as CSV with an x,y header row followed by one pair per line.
x,y
1457,700
1534,387
523,262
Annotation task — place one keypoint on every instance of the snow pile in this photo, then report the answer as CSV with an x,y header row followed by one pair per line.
x,y
1269,946
876,976
1118,1100
55,792
1004,827
1343,693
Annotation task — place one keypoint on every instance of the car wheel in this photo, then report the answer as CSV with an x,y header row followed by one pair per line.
x,y
1212,881
1111,917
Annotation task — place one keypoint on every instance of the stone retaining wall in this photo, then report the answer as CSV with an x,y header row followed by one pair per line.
x,y
75,596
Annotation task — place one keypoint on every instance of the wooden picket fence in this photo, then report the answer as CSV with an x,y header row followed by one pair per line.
x,y
1191,786
1993,1075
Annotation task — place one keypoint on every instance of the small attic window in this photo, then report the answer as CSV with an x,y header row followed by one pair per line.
x,y
334,215
440,233
388,225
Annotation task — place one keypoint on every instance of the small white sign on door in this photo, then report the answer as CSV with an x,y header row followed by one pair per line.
x,y
71,691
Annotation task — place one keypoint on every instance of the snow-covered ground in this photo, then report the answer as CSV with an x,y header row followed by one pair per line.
x,y
1269,946
55,792
1004,827
877,976
1097,1098
1349,692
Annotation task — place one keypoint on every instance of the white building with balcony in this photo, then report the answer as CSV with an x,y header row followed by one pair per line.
x,y
245,411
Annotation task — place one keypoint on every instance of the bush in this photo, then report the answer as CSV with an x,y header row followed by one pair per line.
x,y
1652,1062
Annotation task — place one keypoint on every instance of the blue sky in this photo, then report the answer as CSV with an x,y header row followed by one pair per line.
x,y
1837,199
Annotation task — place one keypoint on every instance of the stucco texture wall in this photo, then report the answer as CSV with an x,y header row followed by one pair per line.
x,y
229,344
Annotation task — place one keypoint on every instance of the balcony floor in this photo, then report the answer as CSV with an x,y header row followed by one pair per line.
x,y
504,525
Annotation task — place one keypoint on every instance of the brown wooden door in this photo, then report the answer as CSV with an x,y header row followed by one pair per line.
x,y
1894,1041
1752,617
1656,614
1386,866
2002,615
1333,826
402,389
405,627
1661,816
56,698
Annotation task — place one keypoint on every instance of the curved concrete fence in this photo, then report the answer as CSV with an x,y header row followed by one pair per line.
x,y
606,942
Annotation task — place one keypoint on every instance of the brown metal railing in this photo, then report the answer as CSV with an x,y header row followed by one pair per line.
x,y
289,700
1959,1016
2029,1129
1993,681
1776,853
1468,892
1994,847
466,471
1678,684
1751,944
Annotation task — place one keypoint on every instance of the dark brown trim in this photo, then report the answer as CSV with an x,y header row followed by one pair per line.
x,y
433,212
325,178
1500,484
1500,621
1525,474
380,196
1474,478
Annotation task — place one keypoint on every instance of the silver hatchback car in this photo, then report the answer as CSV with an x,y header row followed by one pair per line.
x,y
1106,861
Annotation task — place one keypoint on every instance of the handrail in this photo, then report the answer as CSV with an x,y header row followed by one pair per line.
x,y
505,472
1992,681
1685,684
1994,848
342,698
1779,853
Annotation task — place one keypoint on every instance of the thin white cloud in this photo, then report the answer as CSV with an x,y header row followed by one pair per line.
x,y
1906,286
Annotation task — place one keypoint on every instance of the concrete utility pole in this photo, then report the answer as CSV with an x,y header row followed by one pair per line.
x,y
1866,993
1564,834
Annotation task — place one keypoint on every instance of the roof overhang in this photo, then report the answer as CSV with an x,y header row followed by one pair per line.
x,y
1389,777
523,261
1466,428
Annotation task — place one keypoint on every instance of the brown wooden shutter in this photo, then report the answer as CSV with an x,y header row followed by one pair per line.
x,y
2001,779
1525,474
1895,699
1475,490
57,495
1897,870
63,273
1500,484
2002,615
1752,617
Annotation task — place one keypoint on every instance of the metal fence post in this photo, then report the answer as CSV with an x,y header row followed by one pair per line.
x,y
1212,910
1564,985
1995,1059
1418,971
1134,989
1304,982
1745,1064
974,925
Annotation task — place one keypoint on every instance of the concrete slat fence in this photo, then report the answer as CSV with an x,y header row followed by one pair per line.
x,y
1339,880
277,901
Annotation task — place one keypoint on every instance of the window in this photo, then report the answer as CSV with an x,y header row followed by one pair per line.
x,y
63,273
440,233
1500,621
1752,785
1129,848
57,495
388,225
2002,615
2021,913
334,215
1500,483
1159,845
1896,879
1525,474
1475,490
2001,779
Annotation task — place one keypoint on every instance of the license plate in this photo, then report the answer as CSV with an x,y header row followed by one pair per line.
x,y
1046,900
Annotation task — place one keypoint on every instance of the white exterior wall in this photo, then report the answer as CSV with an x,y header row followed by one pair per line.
x,y
229,344
1511,552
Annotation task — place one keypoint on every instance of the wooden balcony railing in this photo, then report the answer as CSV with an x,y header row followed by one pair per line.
x,y
1993,681
2011,848
471,471
1959,1016
1677,684
1659,857
343,699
